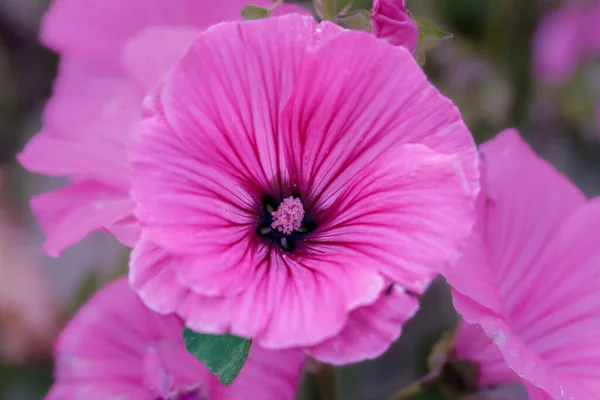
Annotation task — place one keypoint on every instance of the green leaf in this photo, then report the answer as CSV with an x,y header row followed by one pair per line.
x,y
250,12
359,20
440,351
223,355
430,37
326,10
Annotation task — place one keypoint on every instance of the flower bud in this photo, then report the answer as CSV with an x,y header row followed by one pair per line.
x,y
393,23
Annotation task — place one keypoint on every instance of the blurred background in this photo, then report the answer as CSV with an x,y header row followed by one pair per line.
x,y
495,69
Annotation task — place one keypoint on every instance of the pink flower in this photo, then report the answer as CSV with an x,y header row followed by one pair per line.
x,y
392,22
28,311
117,348
271,126
598,118
529,278
564,39
113,52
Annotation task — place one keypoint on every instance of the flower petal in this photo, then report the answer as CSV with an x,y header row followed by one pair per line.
x,y
355,98
150,54
540,238
221,107
290,302
117,348
408,210
107,340
94,391
88,124
524,200
90,101
473,344
98,160
370,330
313,301
152,274
557,47
69,214
71,25
268,375
191,206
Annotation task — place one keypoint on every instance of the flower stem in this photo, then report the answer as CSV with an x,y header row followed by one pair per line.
x,y
327,383
322,383
407,392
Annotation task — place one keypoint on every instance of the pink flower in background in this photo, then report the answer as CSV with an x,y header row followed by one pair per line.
x,y
117,348
529,278
392,22
564,39
598,118
306,204
28,314
112,52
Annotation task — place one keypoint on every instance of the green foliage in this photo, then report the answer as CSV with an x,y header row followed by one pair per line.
x,y
250,12
359,20
223,355
430,37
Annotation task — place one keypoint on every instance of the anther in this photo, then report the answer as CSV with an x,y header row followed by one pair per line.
x,y
289,215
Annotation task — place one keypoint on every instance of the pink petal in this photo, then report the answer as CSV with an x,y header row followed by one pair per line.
x,y
126,231
149,55
557,47
71,25
408,211
290,302
391,21
285,304
117,348
370,330
542,255
267,375
87,129
312,302
520,191
93,159
474,258
536,393
565,39
168,365
108,339
337,121
69,214
224,151
199,207
92,102
152,274
473,344
94,391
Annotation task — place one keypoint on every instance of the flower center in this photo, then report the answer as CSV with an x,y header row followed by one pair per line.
x,y
289,215
286,224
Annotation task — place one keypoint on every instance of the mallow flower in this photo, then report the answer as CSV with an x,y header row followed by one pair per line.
x,y
88,135
564,39
299,184
528,285
391,21
116,348
112,53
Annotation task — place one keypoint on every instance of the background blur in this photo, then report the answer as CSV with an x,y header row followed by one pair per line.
x,y
485,69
